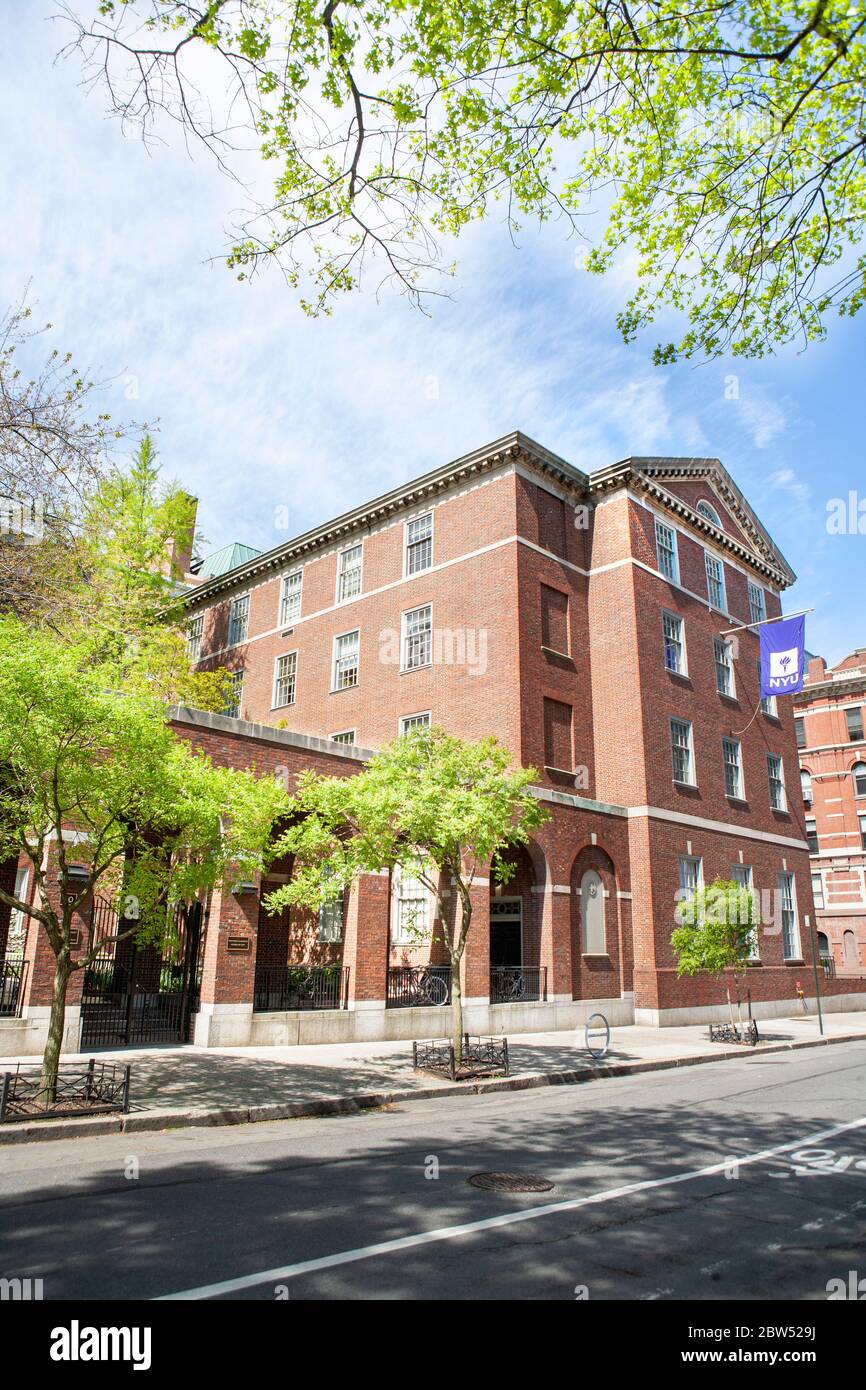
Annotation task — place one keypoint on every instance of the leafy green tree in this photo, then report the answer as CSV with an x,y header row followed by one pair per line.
x,y
429,804
716,933
92,774
723,143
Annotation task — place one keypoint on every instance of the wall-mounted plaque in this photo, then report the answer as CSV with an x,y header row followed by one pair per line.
x,y
238,943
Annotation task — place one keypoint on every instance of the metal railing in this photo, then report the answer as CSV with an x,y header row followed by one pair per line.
x,y
289,987
828,965
13,974
94,1089
418,986
518,984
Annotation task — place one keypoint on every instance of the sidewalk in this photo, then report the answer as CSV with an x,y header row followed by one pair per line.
x,y
173,1087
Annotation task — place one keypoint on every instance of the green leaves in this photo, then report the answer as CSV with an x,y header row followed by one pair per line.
x,y
707,133
429,803
717,929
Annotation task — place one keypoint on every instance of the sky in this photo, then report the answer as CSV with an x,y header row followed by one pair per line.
x,y
277,422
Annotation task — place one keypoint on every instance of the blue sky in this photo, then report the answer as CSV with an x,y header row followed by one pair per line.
x,y
263,413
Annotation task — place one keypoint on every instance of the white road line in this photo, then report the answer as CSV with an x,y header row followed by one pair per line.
x,y
491,1223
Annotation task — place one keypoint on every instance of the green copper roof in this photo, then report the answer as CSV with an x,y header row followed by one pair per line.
x,y
227,559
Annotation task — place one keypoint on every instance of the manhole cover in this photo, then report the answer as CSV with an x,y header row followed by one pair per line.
x,y
509,1182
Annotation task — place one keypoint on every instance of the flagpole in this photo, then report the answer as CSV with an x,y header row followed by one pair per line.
x,y
762,622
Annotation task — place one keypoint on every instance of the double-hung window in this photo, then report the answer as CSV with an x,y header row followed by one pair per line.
x,y
285,673
768,702
788,910
681,751
691,875
411,908
724,661
232,706
812,835
672,629
194,632
776,780
345,736
854,720
733,768
666,551
757,604
419,544
239,617
331,920
349,573
742,875
346,649
715,582
417,637
290,597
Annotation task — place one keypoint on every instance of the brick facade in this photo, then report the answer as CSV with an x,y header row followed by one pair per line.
x,y
831,711
554,626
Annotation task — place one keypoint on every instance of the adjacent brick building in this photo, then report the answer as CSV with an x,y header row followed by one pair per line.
x,y
829,717
586,620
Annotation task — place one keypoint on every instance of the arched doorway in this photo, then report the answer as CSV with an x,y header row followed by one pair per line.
x,y
515,932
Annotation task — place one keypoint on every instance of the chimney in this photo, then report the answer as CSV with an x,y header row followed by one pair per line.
x,y
179,550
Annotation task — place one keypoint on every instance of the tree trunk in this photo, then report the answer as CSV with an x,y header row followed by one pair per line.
x,y
456,1011
57,1019
730,1006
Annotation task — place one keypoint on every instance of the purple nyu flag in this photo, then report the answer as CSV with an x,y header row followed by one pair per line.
x,y
782,656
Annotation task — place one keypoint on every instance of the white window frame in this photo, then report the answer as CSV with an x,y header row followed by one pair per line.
x,y
679,641
686,724
345,737
743,876
401,936
806,787
286,619
17,918
714,518
696,860
342,573
336,688
407,545
757,602
727,665
819,895
330,923
739,793
660,528
238,690
409,719
194,638
777,758
768,702
786,877
238,599
854,777
405,637
710,560
284,704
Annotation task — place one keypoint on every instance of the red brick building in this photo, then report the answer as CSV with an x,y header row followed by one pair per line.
x,y
829,717
585,620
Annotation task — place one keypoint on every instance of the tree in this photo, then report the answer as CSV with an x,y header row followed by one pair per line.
x,y
94,774
55,446
429,804
716,932
723,143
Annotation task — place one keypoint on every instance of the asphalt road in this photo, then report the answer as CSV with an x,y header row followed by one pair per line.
x,y
647,1200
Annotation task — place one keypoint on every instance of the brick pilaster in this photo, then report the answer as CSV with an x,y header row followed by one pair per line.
x,y
367,931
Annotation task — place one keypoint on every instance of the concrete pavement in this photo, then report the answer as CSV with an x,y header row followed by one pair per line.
x,y
184,1086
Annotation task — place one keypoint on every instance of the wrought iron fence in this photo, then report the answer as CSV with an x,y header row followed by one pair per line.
x,y
513,984
13,974
287,987
92,1090
418,986
828,965
746,1032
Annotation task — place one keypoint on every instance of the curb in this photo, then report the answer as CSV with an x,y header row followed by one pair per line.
x,y
150,1121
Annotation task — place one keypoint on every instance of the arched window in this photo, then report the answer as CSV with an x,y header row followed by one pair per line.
x,y
849,946
823,945
858,772
806,785
592,914
709,513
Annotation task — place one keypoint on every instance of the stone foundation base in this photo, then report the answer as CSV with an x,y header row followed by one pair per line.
x,y
763,1008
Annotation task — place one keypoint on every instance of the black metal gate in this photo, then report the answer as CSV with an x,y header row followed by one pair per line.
x,y
140,994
